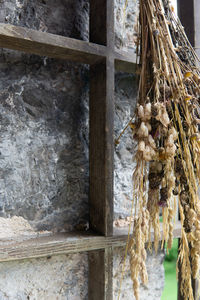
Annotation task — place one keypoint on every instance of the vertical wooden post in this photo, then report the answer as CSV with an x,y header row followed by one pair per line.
x,y
101,120
100,275
101,148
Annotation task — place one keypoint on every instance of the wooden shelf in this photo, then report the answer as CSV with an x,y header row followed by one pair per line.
x,y
43,246
56,46
125,61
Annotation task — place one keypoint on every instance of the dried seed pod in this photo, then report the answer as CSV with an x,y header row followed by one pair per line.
x,y
195,266
151,141
170,239
178,166
163,197
173,132
177,182
170,141
185,125
164,194
187,75
184,197
141,112
147,111
175,191
183,179
149,153
197,225
187,226
187,98
154,111
143,130
197,234
141,146
170,151
155,180
162,203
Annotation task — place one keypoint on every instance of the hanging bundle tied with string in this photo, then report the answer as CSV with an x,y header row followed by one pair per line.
x,y
166,128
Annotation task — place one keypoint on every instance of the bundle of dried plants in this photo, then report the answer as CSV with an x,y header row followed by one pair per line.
x,y
166,127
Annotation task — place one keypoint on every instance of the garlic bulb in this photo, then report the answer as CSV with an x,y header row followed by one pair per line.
x,y
141,112
147,111
151,141
173,131
143,130
141,146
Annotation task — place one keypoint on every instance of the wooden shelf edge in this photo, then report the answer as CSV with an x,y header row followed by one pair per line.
x,y
125,61
48,44
56,46
57,244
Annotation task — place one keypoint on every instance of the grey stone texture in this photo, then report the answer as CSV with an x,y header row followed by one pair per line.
x,y
126,16
54,278
44,149
43,134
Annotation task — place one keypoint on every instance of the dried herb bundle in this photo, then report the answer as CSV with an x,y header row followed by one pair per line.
x,y
166,128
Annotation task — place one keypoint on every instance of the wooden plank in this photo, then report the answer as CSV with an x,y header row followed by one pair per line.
x,y
55,46
56,244
51,45
125,61
100,283
26,247
102,119
101,148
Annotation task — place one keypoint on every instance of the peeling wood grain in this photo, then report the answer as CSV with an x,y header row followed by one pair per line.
x,y
51,45
125,61
56,46
102,149
60,243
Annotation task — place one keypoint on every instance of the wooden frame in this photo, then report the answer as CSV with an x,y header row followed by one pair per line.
x,y
103,59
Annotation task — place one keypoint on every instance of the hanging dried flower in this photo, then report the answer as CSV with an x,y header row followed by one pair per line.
x,y
168,152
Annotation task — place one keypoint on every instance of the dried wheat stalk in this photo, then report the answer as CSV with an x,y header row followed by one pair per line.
x,y
166,128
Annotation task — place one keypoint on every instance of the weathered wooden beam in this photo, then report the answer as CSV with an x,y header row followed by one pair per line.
x,y
100,282
56,46
102,119
26,247
51,45
125,61
101,148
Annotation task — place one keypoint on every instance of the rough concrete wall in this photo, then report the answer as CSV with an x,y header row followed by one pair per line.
x,y
126,13
44,147
45,278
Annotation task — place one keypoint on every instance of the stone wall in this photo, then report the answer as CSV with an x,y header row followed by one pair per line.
x,y
44,150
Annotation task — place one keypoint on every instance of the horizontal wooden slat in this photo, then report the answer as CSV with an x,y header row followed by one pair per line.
x,y
125,61
56,46
44,246
51,45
